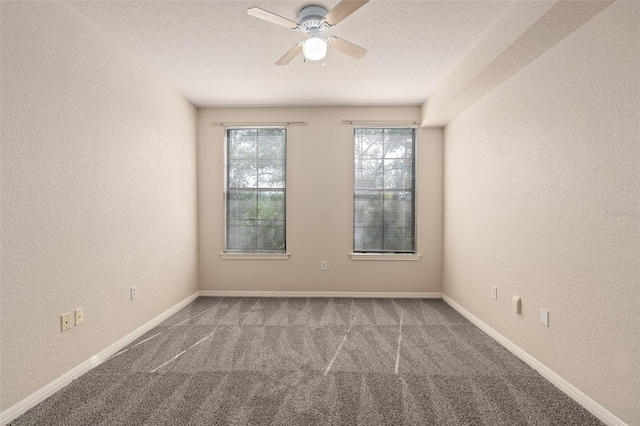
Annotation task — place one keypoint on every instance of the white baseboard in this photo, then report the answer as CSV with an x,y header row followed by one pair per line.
x,y
62,381
355,294
574,393
589,404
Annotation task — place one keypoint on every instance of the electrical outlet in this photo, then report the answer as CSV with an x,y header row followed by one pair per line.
x,y
516,304
494,292
544,317
323,265
65,321
79,316
134,292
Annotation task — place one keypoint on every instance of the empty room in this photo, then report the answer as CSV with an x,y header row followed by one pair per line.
x,y
337,212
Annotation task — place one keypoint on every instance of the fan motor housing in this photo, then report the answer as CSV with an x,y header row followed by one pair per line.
x,y
311,17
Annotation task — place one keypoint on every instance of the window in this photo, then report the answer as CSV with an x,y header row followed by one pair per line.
x,y
255,190
384,190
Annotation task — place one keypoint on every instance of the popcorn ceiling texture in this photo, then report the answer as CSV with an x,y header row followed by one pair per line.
x,y
217,55
98,193
542,200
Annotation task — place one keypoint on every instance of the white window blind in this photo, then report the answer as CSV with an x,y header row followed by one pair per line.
x,y
256,190
384,190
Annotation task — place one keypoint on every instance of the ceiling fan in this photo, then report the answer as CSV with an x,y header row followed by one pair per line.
x,y
313,20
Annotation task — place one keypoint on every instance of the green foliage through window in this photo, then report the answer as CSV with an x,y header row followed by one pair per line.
x,y
255,193
384,190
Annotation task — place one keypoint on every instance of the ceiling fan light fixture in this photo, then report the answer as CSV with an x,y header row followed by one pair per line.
x,y
312,21
314,48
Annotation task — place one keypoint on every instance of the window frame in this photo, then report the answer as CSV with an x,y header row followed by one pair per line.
x,y
238,254
412,255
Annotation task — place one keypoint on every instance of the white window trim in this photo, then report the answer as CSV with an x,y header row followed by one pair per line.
x,y
385,256
254,256
396,256
251,255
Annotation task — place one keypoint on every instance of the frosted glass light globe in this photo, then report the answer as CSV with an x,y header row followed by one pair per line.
x,y
314,48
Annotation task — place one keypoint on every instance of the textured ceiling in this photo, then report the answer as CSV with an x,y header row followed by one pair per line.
x,y
217,55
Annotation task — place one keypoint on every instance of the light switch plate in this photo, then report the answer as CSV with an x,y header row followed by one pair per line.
x,y
544,317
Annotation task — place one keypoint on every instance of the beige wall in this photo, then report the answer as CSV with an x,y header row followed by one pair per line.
x,y
98,194
542,200
319,207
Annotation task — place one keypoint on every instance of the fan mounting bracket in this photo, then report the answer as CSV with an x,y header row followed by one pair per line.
x,y
311,19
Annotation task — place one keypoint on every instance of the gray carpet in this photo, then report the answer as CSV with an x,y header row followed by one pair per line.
x,y
277,361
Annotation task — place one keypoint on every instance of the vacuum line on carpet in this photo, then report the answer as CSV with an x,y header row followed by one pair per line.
x,y
139,343
399,343
341,343
182,322
162,365
183,352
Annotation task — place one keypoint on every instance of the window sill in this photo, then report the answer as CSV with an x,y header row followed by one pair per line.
x,y
254,256
384,256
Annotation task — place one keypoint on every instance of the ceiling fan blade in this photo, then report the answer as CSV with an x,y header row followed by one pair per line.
x,y
292,53
347,48
272,17
342,10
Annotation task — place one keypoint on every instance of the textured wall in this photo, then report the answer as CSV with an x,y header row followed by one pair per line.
x,y
98,193
523,32
319,207
542,199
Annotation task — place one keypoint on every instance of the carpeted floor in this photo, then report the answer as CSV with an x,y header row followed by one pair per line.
x,y
277,361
